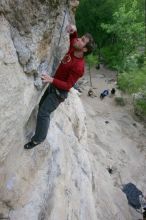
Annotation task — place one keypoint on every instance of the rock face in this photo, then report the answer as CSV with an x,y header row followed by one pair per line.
x,y
61,178
35,31
29,36
54,180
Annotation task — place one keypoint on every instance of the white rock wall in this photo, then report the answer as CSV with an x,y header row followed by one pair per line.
x,y
29,34
56,180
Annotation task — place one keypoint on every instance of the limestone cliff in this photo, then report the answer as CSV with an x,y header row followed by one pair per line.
x,y
65,177
29,33
29,36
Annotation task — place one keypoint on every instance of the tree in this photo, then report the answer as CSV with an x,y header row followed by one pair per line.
x,y
128,30
91,61
117,27
90,15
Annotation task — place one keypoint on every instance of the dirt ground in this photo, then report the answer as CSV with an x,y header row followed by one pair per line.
x,y
115,130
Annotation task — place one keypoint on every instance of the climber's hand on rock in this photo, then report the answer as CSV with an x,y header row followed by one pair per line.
x,y
46,78
71,28
74,3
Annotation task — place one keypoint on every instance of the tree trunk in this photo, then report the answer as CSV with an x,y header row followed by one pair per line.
x,y
90,75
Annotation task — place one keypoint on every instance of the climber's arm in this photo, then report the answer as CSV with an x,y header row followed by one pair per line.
x,y
72,30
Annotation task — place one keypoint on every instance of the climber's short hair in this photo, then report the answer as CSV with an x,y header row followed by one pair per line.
x,y
90,45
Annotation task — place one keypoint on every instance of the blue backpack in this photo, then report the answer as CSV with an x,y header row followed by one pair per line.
x,y
132,193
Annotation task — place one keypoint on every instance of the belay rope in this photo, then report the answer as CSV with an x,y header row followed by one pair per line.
x,y
44,65
56,60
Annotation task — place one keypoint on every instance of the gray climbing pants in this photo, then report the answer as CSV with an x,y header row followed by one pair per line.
x,y
48,103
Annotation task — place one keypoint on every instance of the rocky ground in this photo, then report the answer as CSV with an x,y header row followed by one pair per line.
x,y
116,138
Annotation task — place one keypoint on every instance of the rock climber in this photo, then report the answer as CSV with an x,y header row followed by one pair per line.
x,y
69,71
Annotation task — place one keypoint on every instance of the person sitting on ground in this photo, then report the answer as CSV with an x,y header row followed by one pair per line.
x,y
113,91
69,71
91,93
104,93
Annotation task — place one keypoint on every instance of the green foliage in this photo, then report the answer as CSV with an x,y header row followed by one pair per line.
x,y
134,62
118,30
128,32
114,59
140,103
135,82
90,15
109,55
140,60
120,101
117,27
132,82
140,107
91,60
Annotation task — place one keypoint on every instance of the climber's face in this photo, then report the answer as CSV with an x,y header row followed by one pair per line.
x,y
80,43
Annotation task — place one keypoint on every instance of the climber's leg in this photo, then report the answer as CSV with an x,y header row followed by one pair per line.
x,y
50,103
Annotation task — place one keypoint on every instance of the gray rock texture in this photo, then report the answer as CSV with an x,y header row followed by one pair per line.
x,y
35,31
29,36
64,178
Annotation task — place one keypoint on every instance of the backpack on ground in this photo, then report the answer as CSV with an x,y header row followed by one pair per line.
x,y
133,194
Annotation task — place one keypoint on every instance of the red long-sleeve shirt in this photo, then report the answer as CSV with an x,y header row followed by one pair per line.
x,y
70,69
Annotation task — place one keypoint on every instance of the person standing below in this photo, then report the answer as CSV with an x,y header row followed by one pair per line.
x,y
69,71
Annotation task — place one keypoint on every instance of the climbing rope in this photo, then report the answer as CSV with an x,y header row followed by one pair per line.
x,y
55,58
44,65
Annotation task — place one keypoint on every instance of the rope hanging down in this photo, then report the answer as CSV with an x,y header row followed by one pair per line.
x,y
44,66
56,60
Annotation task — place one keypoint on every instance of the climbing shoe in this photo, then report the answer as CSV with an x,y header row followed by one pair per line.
x,y
30,145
